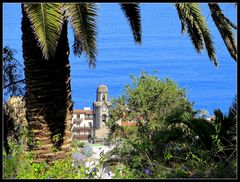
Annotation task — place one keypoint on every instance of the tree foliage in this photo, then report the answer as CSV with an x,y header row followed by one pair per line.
x,y
147,102
168,139
12,73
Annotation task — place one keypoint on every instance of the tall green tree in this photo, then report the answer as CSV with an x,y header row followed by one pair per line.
x,y
47,70
147,103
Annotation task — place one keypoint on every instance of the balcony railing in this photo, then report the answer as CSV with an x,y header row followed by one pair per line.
x,y
77,120
82,129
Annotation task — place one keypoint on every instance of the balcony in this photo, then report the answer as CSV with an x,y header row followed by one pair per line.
x,y
82,129
77,120
88,118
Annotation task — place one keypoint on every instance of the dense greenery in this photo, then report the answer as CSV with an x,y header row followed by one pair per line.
x,y
28,169
176,144
168,139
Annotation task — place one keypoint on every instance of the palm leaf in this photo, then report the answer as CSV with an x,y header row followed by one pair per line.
x,y
82,17
199,18
192,29
199,126
203,129
132,12
46,21
181,15
77,46
190,15
223,25
233,108
227,123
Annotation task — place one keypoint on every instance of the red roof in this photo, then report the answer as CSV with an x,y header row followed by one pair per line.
x,y
126,123
79,111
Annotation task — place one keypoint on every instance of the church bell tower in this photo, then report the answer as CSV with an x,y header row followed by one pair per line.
x,y
100,107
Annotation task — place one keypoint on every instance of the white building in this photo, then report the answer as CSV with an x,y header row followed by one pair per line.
x,y
82,121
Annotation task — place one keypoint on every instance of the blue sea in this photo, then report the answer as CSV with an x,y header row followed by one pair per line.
x,y
164,50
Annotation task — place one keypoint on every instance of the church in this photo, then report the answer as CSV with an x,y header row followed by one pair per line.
x,y
89,125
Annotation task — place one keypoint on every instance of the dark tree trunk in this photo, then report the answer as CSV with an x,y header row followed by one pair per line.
x,y
48,95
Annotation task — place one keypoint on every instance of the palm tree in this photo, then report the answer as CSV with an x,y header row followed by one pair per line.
x,y
47,69
195,126
222,125
227,125
48,96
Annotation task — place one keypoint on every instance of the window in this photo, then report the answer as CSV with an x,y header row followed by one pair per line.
x,y
104,118
90,124
78,115
103,97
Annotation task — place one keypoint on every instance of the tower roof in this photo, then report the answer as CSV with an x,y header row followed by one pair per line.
x,y
102,88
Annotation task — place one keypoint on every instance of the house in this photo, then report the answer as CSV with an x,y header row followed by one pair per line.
x,y
82,121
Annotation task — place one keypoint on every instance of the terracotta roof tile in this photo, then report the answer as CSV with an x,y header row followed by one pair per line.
x,y
79,111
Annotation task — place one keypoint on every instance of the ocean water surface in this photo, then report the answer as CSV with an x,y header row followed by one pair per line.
x,y
164,50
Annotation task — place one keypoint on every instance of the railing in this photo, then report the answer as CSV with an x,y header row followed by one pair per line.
x,y
82,129
77,120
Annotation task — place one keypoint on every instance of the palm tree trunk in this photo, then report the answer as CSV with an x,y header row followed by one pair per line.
x,y
224,29
48,95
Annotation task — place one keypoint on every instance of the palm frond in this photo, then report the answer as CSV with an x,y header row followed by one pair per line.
x,y
193,30
227,123
179,117
181,15
46,21
82,17
203,129
218,115
233,108
224,28
132,12
77,46
199,126
191,17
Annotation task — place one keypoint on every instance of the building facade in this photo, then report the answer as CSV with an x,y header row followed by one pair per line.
x,y
90,125
82,124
